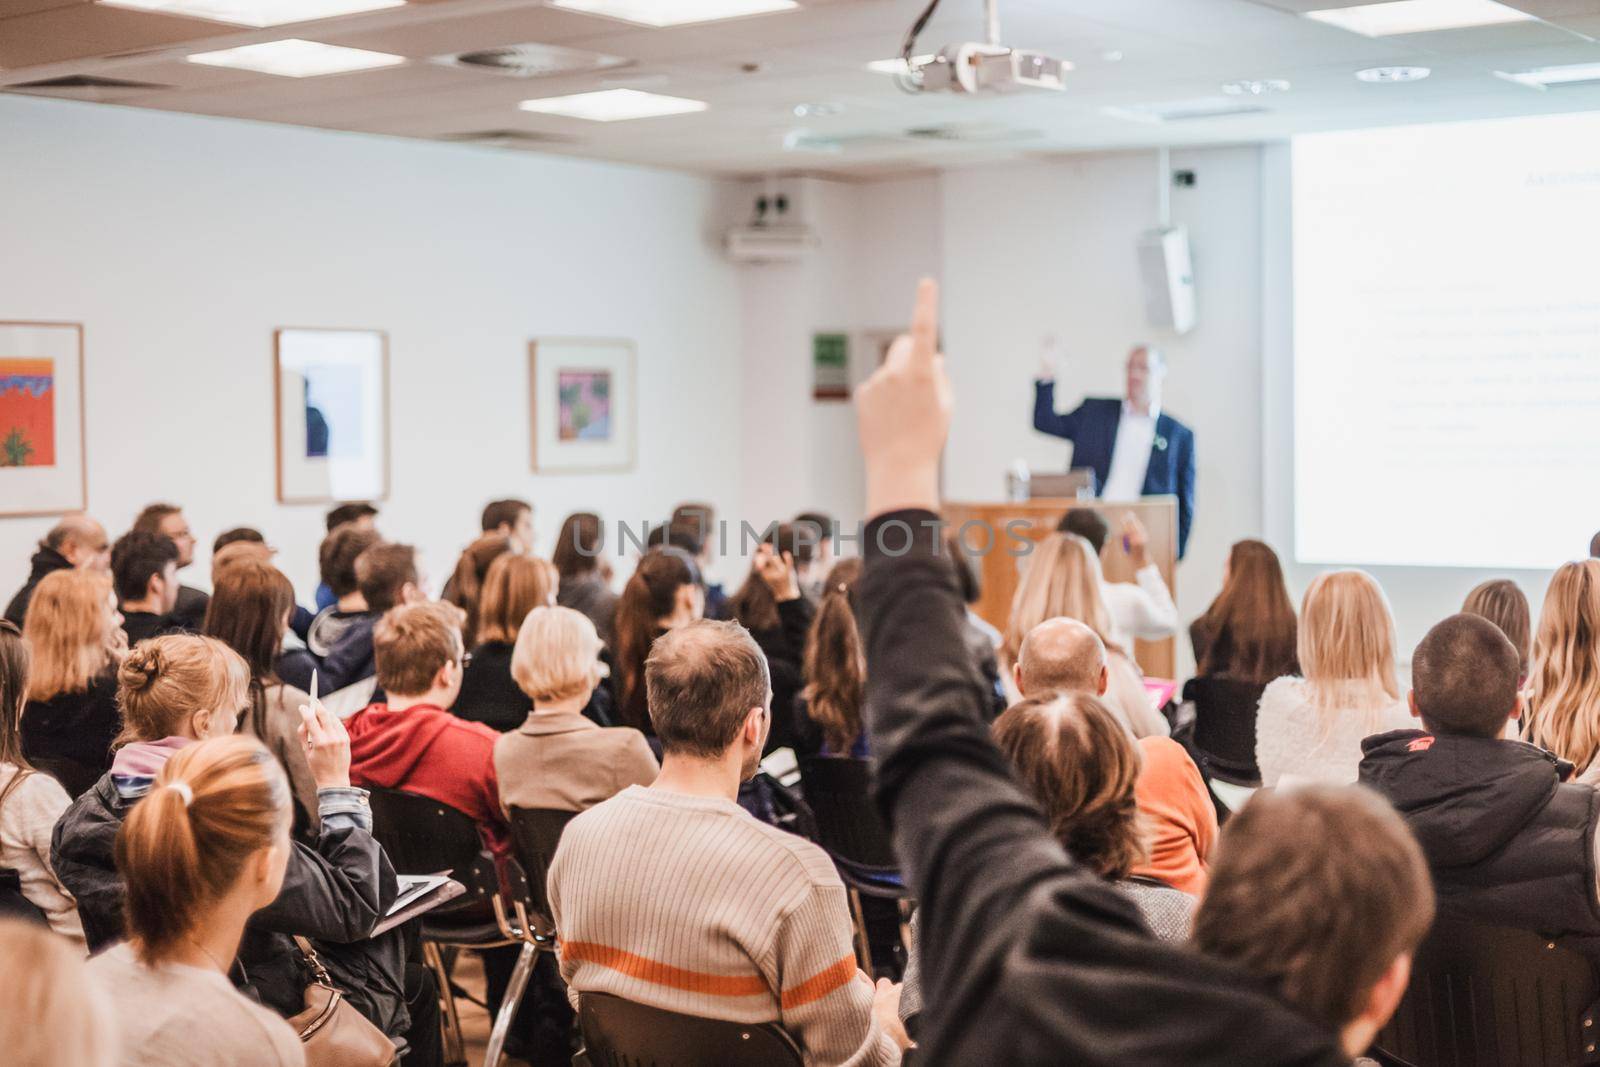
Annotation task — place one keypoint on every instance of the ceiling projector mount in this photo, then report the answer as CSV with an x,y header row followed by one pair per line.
x,y
973,67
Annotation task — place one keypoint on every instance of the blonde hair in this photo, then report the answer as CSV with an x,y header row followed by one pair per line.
x,y
69,631
557,655
514,586
165,680
55,1013
1564,700
1062,580
1346,642
184,845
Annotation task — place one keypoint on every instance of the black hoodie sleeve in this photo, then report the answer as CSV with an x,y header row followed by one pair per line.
x,y
1055,962
336,892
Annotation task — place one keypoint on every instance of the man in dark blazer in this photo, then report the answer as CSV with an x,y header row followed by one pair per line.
x,y
1134,447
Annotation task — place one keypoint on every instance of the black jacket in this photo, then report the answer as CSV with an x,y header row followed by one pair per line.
x,y
785,647
1508,840
45,561
1027,957
334,895
190,610
76,726
143,625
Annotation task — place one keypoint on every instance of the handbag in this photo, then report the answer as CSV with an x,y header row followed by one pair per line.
x,y
333,1032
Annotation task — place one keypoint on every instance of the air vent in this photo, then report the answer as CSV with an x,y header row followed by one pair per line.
x,y
1204,107
972,133
85,87
534,60
507,138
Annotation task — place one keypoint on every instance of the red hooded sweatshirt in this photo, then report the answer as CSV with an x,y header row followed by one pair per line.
x,y
429,751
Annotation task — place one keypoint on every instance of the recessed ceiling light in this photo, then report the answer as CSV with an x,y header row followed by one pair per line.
x,y
1202,107
1393,74
816,111
897,65
294,58
1544,77
612,105
675,12
256,12
1417,16
1255,87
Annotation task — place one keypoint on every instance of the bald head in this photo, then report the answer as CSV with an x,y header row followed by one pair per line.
x,y
1061,654
81,540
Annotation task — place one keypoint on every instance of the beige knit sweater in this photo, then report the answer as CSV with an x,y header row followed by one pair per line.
x,y
691,905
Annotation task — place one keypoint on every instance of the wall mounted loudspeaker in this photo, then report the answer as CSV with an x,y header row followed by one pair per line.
x,y
1168,278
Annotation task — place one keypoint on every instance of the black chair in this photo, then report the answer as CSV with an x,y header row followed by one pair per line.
x,y
622,1033
1489,996
1225,728
424,836
535,833
76,778
838,790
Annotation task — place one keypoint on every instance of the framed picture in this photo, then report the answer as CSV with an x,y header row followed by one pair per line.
x,y
582,397
333,415
42,453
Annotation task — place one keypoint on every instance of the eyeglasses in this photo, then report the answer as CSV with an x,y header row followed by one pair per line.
x,y
466,658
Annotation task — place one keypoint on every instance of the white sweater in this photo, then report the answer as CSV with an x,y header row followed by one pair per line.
x,y
1296,742
26,820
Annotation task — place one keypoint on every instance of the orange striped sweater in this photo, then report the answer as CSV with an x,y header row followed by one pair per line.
x,y
689,904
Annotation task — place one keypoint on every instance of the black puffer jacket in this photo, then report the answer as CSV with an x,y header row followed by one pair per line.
x,y
45,561
333,894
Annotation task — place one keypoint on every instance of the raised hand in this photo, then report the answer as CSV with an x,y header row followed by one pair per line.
x,y
1135,541
778,572
327,746
903,415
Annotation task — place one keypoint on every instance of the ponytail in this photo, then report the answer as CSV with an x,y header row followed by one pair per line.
x,y
182,847
649,596
835,664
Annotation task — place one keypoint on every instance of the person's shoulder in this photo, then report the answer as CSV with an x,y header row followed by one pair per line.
x,y
39,791
1283,693
806,858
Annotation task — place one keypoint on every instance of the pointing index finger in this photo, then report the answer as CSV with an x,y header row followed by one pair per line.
x,y
925,323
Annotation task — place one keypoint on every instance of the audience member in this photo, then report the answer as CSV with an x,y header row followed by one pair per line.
x,y
465,587
585,572
770,605
818,530
674,896
386,577
1503,603
511,519
336,559
1310,728
56,1015
1063,581
238,535
76,542
75,634
827,711
167,520
516,585
663,594
1564,691
1142,608
1594,546
144,571
558,759
1329,931
251,605
1248,634
1056,963
1508,840
202,853
983,640
699,521
361,516
180,689
30,802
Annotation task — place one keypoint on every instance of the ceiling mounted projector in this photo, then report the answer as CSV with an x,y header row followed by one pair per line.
x,y
972,67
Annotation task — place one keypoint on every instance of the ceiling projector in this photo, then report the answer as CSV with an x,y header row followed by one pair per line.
x,y
984,68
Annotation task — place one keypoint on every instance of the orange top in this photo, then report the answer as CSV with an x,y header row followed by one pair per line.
x,y
1181,817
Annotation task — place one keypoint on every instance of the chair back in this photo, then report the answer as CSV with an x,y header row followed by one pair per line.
x,y
623,1033
535,833
838,789
424,836
76,778
1490,996
1225,726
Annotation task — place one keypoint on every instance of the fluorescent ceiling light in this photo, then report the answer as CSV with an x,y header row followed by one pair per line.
x,y
613,105
1544,77
256,12
1418,16
294,58
897,65
1380,75
675,12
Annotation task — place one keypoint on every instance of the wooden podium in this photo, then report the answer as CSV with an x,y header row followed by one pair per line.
x,y
1004,524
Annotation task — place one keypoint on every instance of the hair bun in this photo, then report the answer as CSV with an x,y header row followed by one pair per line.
x,y
140,667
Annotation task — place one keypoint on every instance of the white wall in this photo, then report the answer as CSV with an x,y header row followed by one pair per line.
x,y
181,243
